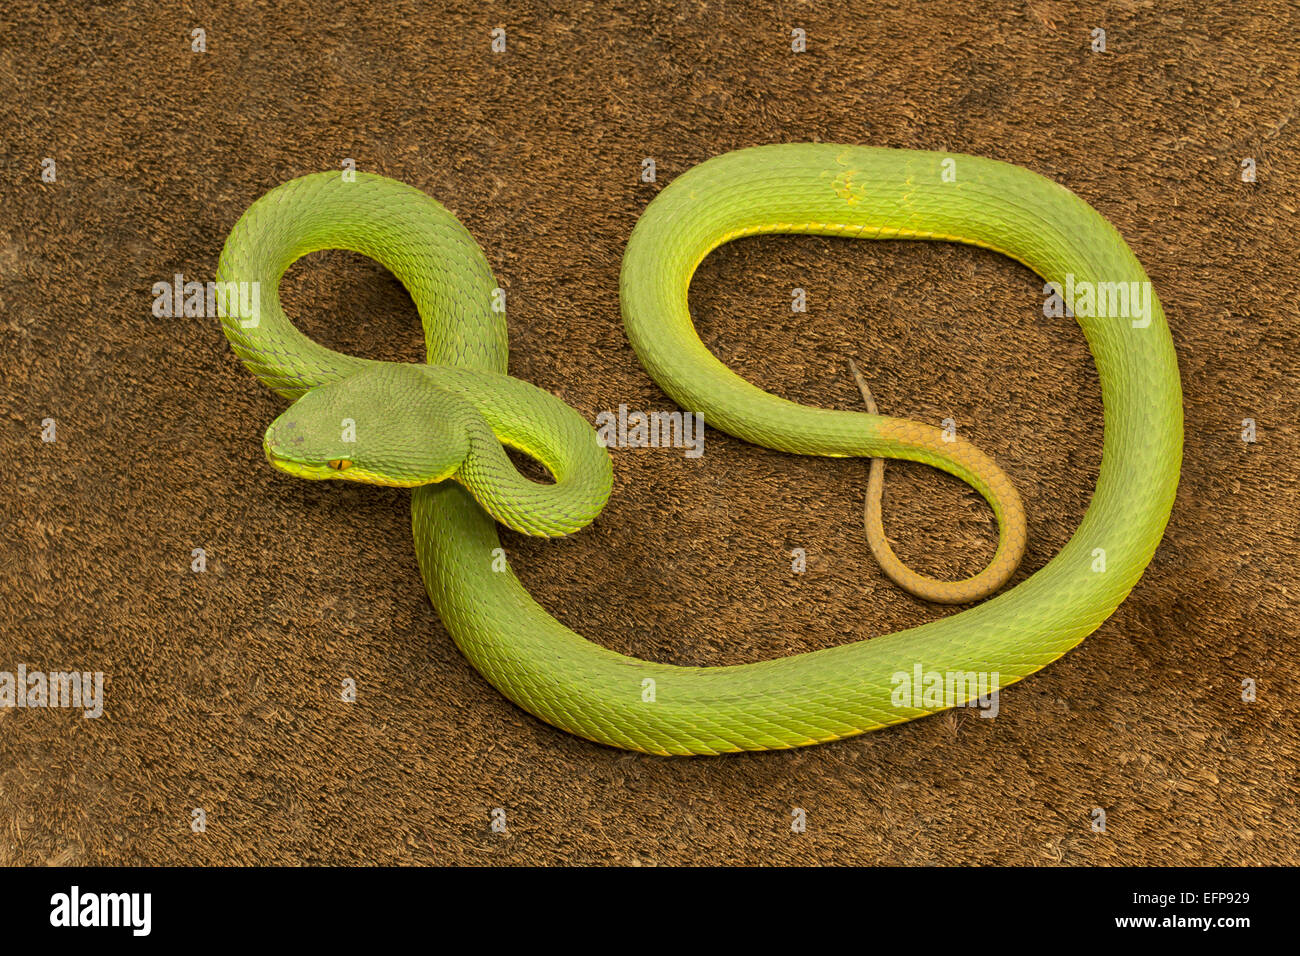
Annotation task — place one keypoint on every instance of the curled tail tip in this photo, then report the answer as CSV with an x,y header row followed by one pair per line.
x,y
862,387
1012,533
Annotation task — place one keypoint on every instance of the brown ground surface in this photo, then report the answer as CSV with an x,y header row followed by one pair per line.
x,y
222,687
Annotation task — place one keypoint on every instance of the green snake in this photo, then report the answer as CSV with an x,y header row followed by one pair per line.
x,y
442,429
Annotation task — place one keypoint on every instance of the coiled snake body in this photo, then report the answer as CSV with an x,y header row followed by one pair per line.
x,y
439,429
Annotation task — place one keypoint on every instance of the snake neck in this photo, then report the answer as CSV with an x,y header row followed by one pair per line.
x,y
508,412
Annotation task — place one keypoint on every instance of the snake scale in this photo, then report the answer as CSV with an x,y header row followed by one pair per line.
x,y
441,428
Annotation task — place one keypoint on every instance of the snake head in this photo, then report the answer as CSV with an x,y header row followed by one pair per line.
x,y
384,425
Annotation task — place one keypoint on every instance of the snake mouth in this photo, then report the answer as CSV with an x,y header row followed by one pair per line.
x,y
318,471
347,470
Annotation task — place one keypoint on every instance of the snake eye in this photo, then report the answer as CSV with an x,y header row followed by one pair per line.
x,y
340,464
